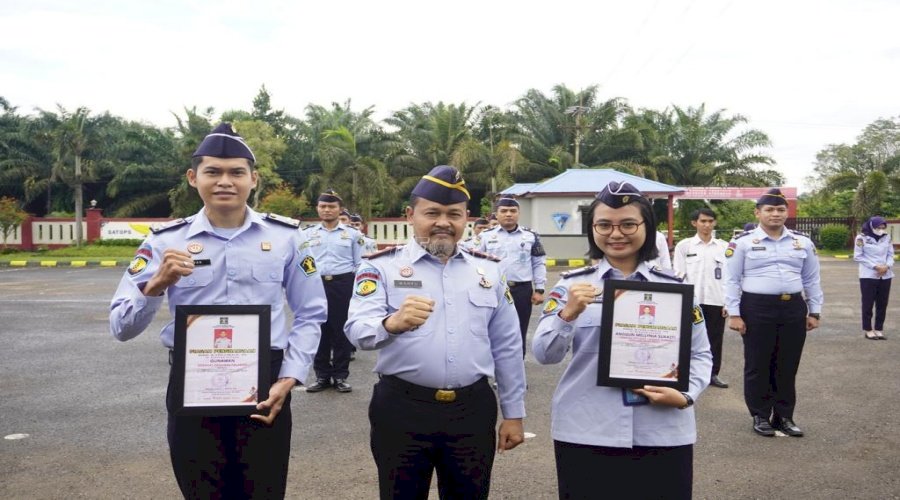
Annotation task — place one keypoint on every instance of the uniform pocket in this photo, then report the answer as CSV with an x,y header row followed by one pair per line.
x,y
267,272
484,301
200,277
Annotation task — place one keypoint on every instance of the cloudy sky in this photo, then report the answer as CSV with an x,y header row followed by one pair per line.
x,y
808,73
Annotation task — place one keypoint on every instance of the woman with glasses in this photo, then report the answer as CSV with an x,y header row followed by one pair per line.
x,y
875,253
641,440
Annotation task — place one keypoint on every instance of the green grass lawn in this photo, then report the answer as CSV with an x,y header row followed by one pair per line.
x,y
88,252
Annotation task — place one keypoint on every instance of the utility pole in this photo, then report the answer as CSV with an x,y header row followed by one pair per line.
x,y
577,111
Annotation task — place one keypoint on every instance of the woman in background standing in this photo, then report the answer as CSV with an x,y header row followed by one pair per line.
x,y
875,253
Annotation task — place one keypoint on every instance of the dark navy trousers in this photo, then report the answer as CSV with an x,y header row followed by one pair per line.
x,y
874,292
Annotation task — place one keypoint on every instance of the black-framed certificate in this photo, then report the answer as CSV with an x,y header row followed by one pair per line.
x,y
221,360
645,334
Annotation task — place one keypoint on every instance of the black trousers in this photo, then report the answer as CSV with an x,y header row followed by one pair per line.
x,y
521,293
773,343
642,472
414,435
230,457
333,356
874,292
715,329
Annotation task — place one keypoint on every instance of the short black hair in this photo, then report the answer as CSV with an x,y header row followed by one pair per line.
x,y
702,211
648,251
197,160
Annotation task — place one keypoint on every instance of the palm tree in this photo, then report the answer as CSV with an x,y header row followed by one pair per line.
x,y
569,129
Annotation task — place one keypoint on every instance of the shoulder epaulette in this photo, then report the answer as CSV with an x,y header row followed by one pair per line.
x,y
170,225
386,251
284,221
666,273
799,233
304,228
578,272
745,233
481,255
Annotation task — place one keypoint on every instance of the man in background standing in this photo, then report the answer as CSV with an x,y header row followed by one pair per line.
x,y
701,260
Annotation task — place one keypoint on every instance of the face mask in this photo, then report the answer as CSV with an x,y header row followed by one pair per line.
x,y
879,232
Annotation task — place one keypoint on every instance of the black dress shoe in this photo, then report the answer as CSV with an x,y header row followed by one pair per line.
x,y
787,426
716,381
320,385
762,427
342,386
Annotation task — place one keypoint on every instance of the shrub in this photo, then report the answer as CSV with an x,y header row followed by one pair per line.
x,y
834,236
118,242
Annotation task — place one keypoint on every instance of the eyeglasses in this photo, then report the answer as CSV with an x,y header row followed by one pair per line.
x,y
626,228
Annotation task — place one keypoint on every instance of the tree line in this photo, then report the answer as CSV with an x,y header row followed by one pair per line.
x,y
54,161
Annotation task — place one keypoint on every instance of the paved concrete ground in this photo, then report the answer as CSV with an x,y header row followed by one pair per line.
x,y
93,409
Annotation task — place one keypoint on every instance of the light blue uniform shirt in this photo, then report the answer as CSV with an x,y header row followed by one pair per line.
x,y
241,272
337,251
585,413
523,255
871,252
757,263
472,333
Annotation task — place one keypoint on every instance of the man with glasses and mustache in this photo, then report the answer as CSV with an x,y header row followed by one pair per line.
x,y
773,296
442,320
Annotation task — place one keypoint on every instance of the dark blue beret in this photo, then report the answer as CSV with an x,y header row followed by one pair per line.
x,y
481,221
749,226
330,196
346,213
507,201
444,185
224,142
772,197
356,218
618,194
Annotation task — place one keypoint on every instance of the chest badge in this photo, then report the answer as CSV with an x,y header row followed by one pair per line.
x,y
406,271
798,245
485,283
480,271
266,246
345,235
755,241
195,247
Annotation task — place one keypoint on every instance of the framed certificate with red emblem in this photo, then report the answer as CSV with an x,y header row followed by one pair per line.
x,y
645,334
221,364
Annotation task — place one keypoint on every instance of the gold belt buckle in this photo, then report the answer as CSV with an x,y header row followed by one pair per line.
x,y
327,278
445,396
785,296
510,283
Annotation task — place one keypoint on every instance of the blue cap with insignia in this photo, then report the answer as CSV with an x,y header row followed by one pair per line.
x,y
355,218
749,226
481,222
618,194
444,185
224,142
330,196
772,197
507,201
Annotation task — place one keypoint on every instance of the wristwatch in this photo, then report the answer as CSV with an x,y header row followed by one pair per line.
x,y
539,290
688,401
815,315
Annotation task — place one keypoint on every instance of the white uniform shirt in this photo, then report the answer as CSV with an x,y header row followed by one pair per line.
x,y
697,262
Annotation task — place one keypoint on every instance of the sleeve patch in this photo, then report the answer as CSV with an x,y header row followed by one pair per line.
x,y
365,287
551,305
697,315
308,265
860,242
138,265
508,295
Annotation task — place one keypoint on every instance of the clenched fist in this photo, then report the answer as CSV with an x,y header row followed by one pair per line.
x,y
412,313
175,264
580,295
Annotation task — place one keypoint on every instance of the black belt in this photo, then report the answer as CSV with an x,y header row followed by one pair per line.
x,y
517,283
779,297
429,394
332,277
275,355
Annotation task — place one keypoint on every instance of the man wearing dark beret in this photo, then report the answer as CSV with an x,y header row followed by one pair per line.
x,y
773,297
442,320
338,249
523,257
228,254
